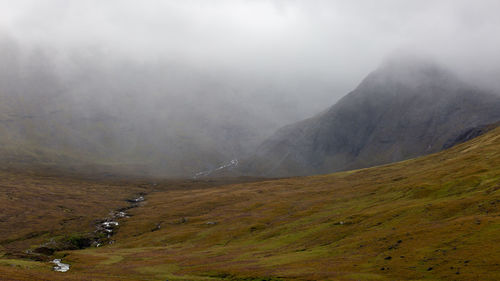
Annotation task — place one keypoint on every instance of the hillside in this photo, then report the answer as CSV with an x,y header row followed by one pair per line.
x,y
430,218
406,108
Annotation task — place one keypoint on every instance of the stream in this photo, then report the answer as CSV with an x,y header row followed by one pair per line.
x,y
104,229
59,266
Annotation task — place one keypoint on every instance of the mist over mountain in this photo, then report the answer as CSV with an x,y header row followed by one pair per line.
x,y
409,106
173,88
87,112
151,118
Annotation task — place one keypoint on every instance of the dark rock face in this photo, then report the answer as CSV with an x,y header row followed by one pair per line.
x,y
404,109
469,134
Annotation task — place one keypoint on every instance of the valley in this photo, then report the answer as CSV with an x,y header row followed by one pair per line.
x,y
434,217
237,140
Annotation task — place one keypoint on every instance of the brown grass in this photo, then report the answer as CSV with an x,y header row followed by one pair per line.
x,y
431,218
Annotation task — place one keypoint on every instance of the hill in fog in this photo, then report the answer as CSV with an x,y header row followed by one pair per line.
x,y
173,88
409,106
87,113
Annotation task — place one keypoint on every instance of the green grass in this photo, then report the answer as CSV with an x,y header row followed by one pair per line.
x,y
422,219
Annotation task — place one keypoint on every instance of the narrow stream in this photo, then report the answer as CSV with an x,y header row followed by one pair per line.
x,y
105,229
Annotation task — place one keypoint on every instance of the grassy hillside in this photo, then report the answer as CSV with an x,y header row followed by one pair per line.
x,y
431,218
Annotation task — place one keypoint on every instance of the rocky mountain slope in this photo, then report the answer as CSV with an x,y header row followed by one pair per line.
x,y
406,108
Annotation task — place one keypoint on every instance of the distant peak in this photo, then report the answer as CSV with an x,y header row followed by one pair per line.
x,y
411,69
408,61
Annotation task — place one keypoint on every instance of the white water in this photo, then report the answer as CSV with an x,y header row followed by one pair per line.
x,y
109,224
138,199
59,266
231,164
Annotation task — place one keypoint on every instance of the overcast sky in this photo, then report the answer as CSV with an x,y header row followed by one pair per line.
x,y
318,50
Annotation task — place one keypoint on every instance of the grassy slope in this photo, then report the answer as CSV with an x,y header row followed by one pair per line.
x,y
434,218
34,208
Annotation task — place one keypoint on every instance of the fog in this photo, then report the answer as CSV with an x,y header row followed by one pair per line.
x,y
184,86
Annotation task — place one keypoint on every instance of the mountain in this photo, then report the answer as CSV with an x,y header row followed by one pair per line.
x,y
408,107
